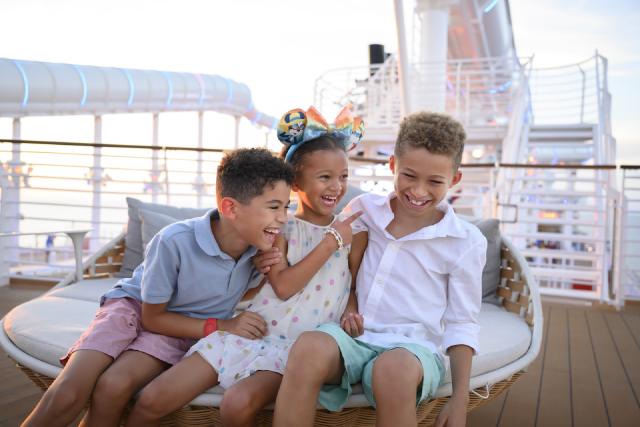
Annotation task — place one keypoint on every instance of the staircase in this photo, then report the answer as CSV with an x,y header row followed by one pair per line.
x,y
564,214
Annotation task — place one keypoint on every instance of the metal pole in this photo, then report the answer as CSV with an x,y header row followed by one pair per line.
x,y
155,170
199,179
403,59
11,203
96,180
236,142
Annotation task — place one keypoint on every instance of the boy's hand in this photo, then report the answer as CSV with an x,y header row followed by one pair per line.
x,y
353,323
246,324
344,227
263,260
453,413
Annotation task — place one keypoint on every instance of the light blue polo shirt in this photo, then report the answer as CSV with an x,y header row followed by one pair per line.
x,y
185,267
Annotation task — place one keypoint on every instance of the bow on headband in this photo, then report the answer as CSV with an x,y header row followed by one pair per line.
x,y
297,127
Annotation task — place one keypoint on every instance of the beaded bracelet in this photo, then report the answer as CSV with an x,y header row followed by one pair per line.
x,y
336,235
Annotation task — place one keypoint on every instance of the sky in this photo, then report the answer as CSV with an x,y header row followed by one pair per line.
x,y
279,47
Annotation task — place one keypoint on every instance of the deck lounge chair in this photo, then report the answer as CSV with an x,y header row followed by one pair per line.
x,y
37,333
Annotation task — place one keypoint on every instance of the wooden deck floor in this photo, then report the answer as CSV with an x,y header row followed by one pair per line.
x,y
587,374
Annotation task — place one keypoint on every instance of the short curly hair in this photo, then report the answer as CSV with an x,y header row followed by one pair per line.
x,y
244,173
435,132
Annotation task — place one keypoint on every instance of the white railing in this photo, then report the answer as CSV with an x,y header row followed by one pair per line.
x,y
478,92
55,186
628,247
56,192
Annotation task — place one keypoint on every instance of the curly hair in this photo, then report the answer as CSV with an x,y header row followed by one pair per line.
x,y
244,173
317,144
435,132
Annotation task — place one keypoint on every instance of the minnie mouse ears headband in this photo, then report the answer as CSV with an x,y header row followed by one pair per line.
x,y
296,127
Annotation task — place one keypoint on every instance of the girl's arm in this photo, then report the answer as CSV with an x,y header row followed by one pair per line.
x,y
352,321
156,318
288,280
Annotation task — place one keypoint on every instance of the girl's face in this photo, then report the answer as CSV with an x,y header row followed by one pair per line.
x,y
320,184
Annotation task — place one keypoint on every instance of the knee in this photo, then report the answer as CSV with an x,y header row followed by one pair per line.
x,y
388,377
62,398
150,404
237,408
113,388
310,354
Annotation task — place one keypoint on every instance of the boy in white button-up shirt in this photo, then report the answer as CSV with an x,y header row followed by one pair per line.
x,y
418,295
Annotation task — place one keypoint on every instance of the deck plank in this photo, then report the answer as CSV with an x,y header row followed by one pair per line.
x,y
555,393
588,399
521,402
620,403
627,350
18,395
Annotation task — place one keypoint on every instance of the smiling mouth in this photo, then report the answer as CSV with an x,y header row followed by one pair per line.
x,y
416,203
271,233
329,200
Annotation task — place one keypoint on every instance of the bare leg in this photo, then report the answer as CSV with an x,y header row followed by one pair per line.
x,y
242,402
115,387
314,360
173,389
70,391
396,376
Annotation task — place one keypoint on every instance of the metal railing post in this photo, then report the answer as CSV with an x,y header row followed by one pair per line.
x,y
95,177
155,170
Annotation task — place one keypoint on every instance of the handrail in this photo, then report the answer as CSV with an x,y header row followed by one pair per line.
x,y
106,145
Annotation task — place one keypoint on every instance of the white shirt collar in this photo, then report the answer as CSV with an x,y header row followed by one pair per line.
x,y
449,225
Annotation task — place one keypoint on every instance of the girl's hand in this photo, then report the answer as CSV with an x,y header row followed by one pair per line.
x,y
246,324
344,227
353,323
453,413
263,260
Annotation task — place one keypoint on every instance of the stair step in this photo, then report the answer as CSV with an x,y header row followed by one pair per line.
x,y
553,193
557,127
558,179
31,281
554,253
558,221
556,237
566,273
560,136
558,207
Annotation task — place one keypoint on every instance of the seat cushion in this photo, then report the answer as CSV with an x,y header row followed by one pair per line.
x,y
504,337
47,326
86,290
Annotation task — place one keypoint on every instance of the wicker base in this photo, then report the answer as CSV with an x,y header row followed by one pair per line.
x,y
350,417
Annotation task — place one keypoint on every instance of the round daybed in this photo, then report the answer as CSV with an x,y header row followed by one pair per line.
x,y
37,333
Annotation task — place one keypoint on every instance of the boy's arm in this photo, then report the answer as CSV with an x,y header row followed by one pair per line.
x,y
156,318
461,328
351,320
288,280
454,412
158,284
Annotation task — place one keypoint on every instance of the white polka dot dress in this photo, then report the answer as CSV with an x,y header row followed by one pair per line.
x,y
322,300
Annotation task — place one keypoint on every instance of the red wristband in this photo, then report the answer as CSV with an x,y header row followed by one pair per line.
x,y
210,325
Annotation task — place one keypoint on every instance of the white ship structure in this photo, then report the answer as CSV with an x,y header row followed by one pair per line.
x,y
540,154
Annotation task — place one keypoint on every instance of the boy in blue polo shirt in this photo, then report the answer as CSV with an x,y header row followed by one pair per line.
x,y
194,273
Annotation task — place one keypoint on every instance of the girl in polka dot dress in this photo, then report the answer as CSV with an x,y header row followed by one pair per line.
x,y
309,285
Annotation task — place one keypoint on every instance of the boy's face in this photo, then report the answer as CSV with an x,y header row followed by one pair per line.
x,y
421,180
258,222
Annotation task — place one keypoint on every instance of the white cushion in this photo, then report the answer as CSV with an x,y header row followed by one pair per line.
x,y
87,290
46,327
504,337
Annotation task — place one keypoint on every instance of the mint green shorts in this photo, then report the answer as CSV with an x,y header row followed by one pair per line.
x,y
359,358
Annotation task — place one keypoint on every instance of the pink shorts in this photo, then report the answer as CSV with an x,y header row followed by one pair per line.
x,y
117,328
